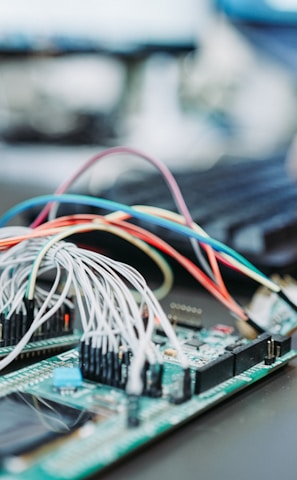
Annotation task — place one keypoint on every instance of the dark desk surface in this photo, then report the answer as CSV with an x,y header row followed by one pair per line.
x,y
250,436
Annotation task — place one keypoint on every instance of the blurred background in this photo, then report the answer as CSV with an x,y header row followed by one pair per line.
x,y
186,80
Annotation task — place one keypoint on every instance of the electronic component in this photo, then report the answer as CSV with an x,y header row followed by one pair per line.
x,y
215,355
152,379
194,342
55,335
269,358
214,372
171,393
182,388
249,354
105,367
67,380
133,408
14,327
44,348
282,344
185,315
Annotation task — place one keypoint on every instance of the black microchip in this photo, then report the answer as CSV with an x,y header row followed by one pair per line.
x,y
194,342
28,421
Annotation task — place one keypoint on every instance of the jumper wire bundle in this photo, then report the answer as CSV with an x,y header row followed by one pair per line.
x,y
117,309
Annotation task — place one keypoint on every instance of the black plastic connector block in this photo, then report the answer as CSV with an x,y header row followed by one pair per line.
x,y
214,372
92,363
249,354
30,306
116,379
156,381
1,329
282,344
133,411
184,392
152,380
6,332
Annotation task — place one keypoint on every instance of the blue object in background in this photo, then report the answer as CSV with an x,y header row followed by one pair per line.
x,y
269,25
279,12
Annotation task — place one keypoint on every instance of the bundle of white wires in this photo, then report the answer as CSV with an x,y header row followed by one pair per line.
x,y
103,288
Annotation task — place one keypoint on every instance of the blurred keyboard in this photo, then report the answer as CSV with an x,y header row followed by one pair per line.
x,y
251,205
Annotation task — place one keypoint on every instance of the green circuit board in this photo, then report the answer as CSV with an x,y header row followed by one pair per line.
x,y
70,431
41,348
